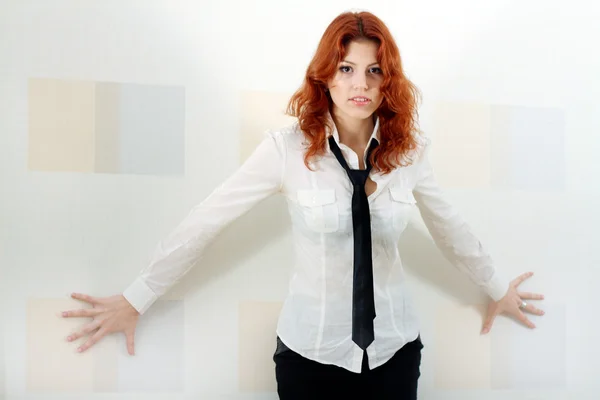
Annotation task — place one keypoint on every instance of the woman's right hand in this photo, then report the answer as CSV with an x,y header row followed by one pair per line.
x,y
109,315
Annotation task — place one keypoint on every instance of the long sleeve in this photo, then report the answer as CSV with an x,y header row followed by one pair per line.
x,y
452,235
260,176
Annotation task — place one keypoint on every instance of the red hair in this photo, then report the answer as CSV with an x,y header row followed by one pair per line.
x,y
398,111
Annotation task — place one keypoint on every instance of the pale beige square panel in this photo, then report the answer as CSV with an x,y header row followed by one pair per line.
x,y
462,354
461,154
261,111
257,342
53,364
107,120
61,125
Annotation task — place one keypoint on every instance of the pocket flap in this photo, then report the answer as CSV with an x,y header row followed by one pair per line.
x,y
403,195
316,197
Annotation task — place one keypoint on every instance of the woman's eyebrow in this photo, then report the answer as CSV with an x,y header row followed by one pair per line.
x,y
350,62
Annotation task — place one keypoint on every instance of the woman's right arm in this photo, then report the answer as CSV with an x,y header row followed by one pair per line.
x,y
260,176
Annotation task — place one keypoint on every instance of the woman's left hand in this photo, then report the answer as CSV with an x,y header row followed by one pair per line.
x,y
513,304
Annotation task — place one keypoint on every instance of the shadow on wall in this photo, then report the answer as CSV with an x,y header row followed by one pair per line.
x,y
423,260
238,242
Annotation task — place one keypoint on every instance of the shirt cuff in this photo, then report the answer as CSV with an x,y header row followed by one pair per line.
x,y
497,287
140,295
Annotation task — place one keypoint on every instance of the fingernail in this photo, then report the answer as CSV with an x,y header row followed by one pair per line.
x,y
79,350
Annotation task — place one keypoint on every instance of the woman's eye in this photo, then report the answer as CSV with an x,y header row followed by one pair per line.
x,y
374,70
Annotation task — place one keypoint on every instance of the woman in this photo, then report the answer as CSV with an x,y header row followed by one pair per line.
x,y
351,169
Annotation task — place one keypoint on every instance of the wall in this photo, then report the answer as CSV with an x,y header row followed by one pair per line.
x,y
510,100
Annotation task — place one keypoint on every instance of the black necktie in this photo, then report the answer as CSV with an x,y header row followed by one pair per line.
x,y
363,302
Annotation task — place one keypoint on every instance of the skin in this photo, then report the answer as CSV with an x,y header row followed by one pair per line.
x,y
359,74
510,303
109,315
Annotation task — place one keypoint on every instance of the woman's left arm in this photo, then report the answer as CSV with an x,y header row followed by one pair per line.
x,y
457,242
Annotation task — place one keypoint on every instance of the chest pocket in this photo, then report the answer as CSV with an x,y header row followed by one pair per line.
x,y
403,201
320,209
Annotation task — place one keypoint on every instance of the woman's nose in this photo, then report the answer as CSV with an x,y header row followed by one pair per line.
x,y
360,81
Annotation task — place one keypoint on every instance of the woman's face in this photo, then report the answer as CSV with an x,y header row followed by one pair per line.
x,y
355,86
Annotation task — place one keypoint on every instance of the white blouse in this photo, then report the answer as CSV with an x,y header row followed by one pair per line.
x,y
316,318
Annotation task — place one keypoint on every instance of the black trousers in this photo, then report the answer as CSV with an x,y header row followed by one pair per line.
x,y
301,379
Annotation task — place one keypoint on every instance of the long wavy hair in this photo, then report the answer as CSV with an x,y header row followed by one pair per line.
x,y
398,113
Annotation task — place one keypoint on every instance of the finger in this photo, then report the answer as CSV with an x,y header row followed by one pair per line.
x,y
531,296
489,321
93,340
519,279
534,310
130,342
84,297
88,328
84,312
523,318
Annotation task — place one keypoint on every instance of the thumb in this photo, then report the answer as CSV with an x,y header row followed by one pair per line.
x,y
489,320
130,342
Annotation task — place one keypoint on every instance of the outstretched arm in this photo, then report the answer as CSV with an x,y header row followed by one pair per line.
x,y
456,240
260,176
451,233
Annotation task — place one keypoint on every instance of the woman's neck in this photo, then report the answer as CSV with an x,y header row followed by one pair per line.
x,y
353,132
